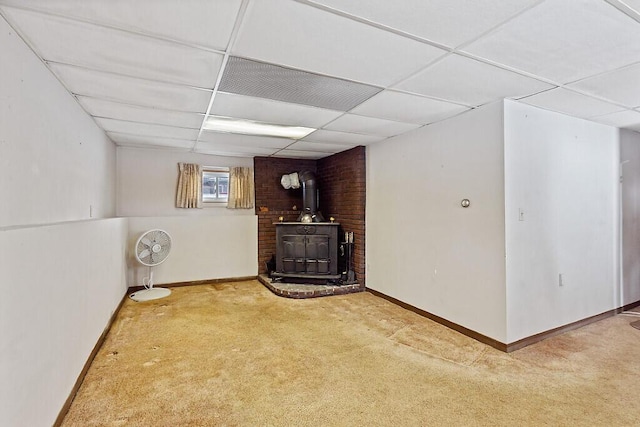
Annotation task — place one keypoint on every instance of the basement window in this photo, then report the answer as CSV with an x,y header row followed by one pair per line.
x,y
215,185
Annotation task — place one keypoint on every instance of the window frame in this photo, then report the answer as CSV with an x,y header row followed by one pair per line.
x,y
219,171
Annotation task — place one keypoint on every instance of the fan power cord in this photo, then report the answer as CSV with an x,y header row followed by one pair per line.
x,y
149,284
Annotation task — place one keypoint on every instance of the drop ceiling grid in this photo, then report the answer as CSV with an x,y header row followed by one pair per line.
x,y
403,107
621,86
140,128
209,27
101,108
571,103
594,100
471,82
225,60
126,139
267,110
443,23
145,100
131,90
147,129
303,37
337,137
116,51
563,40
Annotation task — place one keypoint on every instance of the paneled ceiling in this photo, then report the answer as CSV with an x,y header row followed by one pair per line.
x,y
150,72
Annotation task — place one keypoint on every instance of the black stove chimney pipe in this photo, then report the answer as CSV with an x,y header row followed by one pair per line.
x,y
309,197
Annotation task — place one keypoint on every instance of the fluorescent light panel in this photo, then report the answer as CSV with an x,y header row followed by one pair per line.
x,y
250,127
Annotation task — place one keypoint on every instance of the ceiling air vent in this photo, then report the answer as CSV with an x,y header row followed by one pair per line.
x,y
261,80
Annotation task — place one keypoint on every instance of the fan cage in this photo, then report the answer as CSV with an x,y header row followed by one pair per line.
x,y
153,247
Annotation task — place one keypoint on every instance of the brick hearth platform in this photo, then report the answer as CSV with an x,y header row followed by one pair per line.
x,y
305,290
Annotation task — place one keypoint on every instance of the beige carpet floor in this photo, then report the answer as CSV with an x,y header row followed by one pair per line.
x,y
234,354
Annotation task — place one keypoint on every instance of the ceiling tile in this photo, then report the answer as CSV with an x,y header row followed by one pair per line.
x,y
470,82
145,129
114,110
131,90
322,147
265,110
296,154
232,139
209,23
622,119
72,42
571,103
403,107
215,148
146,141
368,125
564,40
448,22
304,37
622,85
331,136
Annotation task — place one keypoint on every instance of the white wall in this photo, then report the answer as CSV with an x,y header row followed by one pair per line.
x,y
60,285
55,163
208,243
61,274
562,172
423,248
147,182
630,193
212,247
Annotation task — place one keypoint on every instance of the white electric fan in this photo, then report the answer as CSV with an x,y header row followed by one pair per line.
x,y
151,249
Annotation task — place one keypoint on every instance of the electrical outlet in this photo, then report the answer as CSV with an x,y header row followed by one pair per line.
x,y
560,280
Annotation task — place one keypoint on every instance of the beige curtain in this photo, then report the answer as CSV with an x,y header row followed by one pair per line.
x,y
189,194
240,188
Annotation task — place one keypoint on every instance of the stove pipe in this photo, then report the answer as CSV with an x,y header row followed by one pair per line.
x,y
310,211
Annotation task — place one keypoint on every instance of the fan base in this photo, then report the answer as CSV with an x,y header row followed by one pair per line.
x,y
150,294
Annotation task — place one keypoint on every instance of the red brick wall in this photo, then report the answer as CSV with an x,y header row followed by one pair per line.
x,y
342,186
271,195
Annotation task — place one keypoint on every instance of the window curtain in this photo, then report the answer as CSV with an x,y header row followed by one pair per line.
x,y
240,188
189,194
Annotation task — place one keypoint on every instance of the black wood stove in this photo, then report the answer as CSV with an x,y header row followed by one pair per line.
x,y
307,249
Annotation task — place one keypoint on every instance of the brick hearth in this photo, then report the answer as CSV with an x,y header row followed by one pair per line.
x,y
305,290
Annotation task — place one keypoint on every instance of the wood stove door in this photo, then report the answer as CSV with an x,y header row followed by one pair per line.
x,y
293,254
318,254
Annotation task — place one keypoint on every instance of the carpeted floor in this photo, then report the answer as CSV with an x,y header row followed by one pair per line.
x,y
234,354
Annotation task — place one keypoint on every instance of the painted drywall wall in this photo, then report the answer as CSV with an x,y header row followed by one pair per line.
x,y
203,247
561,216
60,285
55,163
630,204
62,274
208,243
147,182
422,246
